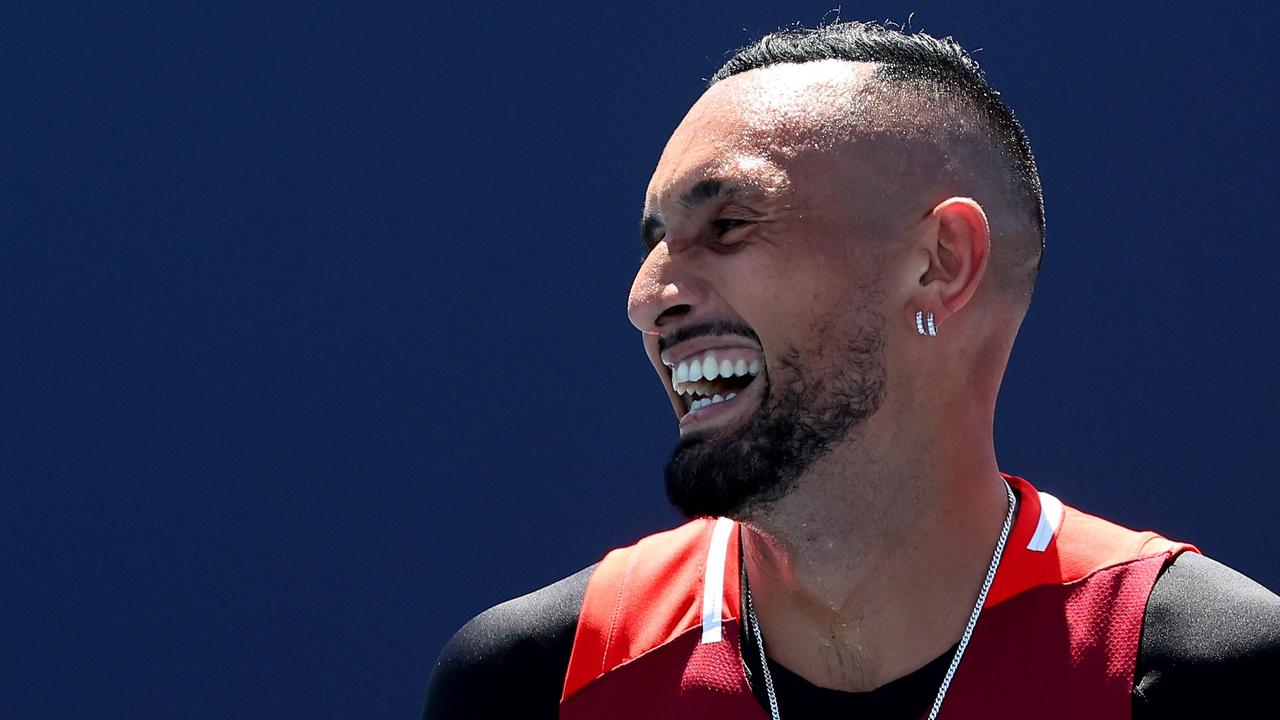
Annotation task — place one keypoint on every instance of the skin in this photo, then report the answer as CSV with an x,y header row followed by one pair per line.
x,y
869,567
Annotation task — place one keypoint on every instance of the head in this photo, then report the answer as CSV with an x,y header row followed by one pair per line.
x,y
827,186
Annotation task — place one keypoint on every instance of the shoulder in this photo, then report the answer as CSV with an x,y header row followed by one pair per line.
x,y
511,659
1211,635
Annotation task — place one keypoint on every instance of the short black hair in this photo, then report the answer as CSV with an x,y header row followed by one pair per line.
x,y
936,72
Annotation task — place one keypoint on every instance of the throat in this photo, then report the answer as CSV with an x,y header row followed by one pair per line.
x,y
877,618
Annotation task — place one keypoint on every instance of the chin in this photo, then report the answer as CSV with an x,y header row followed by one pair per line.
x,y
735,471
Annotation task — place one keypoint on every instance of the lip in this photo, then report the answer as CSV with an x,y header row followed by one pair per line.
x,y
671,357
725,413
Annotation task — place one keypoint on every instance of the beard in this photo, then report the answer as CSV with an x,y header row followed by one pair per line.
x,y
802,415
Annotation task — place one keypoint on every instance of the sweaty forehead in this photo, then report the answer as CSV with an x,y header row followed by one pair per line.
x,y
790,98
750,124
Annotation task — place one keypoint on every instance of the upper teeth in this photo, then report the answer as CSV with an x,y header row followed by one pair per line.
x,y
709,367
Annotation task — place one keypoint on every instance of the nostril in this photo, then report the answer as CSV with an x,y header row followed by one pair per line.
x,y
672,313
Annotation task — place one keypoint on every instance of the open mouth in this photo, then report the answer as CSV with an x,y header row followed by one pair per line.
x,y
714,376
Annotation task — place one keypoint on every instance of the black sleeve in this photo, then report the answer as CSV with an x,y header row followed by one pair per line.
x,y
1210,645
510,660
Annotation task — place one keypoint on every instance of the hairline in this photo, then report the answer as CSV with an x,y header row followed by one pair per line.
x,y
979,123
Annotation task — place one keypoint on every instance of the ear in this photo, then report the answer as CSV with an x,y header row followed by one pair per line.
x,y
956,248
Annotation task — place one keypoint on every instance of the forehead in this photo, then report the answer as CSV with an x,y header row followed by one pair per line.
x,y
749,125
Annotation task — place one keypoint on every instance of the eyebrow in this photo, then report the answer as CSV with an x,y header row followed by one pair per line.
x,y
705,191
702,192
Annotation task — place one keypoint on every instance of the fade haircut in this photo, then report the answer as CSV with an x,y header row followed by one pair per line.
x,y
938,85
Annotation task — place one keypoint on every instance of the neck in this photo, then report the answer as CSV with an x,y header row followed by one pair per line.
x,y
868,569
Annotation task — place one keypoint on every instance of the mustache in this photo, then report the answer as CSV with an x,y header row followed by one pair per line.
x,y
720,327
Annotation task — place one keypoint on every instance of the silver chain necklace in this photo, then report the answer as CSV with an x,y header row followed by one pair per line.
x,y
964,639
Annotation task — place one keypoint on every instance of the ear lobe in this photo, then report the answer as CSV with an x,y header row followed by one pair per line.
x,y
959,255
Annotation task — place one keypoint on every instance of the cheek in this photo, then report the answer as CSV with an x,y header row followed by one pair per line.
x,y
775,296
799,295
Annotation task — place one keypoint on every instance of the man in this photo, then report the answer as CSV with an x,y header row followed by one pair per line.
x,y
844,234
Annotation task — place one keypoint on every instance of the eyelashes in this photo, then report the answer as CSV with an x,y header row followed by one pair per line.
x,y
724,225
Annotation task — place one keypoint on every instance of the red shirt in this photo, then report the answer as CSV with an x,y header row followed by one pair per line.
x,y
658,632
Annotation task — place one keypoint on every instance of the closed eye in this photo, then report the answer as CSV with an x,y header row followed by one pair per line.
x,y
724,225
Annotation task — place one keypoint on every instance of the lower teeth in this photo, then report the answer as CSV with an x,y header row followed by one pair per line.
x,y
699,404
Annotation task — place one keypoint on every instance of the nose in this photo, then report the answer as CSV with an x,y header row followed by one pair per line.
x,y
660,294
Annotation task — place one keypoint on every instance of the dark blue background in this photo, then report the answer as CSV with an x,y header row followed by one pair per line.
x,y
314,333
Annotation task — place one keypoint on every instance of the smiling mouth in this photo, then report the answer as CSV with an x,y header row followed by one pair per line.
x,y
714,376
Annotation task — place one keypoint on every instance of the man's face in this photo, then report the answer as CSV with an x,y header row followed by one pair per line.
x,y
760,299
